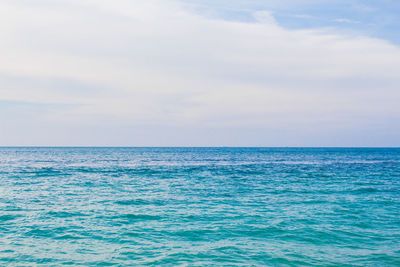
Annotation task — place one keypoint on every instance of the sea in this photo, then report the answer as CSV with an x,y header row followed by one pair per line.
x,y
106,206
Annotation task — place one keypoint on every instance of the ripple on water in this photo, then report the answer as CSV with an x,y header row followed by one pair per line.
x,y
199,206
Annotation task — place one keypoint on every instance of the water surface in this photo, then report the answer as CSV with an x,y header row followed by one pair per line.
x,y
200,206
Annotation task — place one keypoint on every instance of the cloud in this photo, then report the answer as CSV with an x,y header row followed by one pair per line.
x,y
264,17
344,20
156,63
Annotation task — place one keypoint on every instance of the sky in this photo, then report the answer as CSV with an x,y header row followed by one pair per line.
x,y
199,73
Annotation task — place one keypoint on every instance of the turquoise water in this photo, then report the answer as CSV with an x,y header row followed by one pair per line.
x,y
199,206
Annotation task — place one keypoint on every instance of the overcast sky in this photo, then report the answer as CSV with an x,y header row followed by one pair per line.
x,y
199,73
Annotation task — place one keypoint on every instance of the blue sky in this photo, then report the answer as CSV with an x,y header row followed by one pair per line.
x,y
379,19
199,73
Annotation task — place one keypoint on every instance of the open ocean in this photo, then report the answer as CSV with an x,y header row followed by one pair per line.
x,y
200,206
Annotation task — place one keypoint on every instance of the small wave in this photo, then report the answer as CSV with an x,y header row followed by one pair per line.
x,y
68,237
40,233
142,217
64,214
134,202
8,217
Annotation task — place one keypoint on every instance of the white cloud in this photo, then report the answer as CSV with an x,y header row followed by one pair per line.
x,y
153,62
344,20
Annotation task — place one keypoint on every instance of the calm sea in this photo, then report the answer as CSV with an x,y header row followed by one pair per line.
x,y
200,206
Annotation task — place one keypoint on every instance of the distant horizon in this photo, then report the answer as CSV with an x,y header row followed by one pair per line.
x,y
33,146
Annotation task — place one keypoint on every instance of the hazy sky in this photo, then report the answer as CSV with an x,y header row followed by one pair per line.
x,y
200,73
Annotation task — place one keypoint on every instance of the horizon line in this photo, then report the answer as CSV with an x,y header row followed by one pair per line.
x,y
73,146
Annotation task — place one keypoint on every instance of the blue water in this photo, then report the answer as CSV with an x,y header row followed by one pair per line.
x,y
200,206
